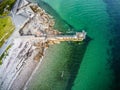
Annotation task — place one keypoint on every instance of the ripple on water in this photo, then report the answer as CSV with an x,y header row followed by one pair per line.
x,y
94,73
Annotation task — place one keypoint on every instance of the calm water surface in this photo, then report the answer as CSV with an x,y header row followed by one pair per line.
x,y
90,65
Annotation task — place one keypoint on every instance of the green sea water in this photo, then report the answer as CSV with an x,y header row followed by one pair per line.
x,y
85,66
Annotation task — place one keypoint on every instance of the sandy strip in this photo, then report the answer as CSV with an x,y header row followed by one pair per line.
x,y
18,66
23,77
25,87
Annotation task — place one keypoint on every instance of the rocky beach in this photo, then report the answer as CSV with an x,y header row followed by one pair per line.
x,y
33,34
25,55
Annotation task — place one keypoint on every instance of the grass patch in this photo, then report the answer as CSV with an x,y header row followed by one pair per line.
x,y
6,25
6,29
6,3
4,54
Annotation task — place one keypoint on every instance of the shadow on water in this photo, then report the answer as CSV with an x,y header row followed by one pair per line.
x,y
77,48
113,7
76,59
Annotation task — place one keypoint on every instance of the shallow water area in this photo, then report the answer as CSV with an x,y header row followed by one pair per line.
x,y
94,65
49,74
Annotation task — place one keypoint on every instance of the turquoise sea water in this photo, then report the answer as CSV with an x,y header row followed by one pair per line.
x,y
89,65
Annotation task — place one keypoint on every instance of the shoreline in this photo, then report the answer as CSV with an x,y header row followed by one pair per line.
x,y
33,35
18,76
25,87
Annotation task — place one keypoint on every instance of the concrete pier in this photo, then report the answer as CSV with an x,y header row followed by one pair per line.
x,y
52,39
39,26
30,41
